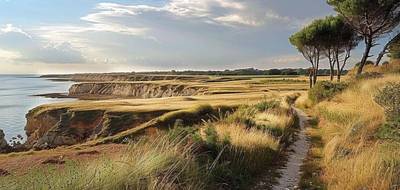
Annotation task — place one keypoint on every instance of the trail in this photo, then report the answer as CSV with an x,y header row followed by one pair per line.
x,y
290,172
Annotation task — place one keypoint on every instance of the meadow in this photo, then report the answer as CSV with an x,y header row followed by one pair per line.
x,y
352,146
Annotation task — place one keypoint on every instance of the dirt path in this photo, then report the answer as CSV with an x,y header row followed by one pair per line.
x,y
289,172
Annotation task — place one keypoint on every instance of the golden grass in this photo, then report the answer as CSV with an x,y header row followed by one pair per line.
x,y
353,157
303,102
248,91
246,138
273,120
392,67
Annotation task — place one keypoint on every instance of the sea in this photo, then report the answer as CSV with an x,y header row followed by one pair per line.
x,y
16,99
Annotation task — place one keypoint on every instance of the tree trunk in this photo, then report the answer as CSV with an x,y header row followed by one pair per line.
x,y
368,46
316,68
380,56
315,78
338,72
331,64
386,47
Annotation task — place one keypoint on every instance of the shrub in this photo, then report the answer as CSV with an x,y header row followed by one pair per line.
x,y
266,105
243,115
390,130
369,75
325,90
389,99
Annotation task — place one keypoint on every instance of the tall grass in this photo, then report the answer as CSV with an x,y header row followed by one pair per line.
x,y
161,163
353,157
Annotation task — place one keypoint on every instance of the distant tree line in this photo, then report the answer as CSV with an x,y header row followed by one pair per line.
x,y
334,37
248,71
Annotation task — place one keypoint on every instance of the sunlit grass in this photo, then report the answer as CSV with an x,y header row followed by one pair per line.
x,y
353,157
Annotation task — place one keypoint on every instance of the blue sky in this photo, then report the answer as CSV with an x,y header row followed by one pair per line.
x,y
63,36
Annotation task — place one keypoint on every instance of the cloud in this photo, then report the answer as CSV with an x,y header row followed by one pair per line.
x,y
177,34
224,12
7,56
287,59
19,46
10,28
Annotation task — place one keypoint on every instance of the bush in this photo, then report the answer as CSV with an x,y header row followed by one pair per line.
x,y
325,90
369,75
389,99
390,130
266,105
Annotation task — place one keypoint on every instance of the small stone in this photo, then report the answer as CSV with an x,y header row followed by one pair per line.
x,y
57,161
4,172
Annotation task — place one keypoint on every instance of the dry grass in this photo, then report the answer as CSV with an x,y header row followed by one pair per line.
x,y
303,102
159,164
241,137
392,67
353,157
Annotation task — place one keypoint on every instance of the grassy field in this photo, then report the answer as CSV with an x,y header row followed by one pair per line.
x,y
226,152
252,135
227,138
348,151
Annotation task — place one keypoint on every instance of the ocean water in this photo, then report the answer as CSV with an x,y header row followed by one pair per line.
x,y
16,99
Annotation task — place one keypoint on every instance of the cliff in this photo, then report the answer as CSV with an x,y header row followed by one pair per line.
x,y
4,147
134,90
63,126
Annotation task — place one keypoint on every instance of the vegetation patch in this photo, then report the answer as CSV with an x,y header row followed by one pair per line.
x,y
351,156
325,90
389,99
224,152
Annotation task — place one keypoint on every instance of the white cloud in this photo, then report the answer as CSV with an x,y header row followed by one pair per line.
x,y
10,28
180,34
226,12
19,46
236,19
7,56
287,59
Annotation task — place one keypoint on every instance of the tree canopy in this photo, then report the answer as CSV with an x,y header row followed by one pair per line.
x,y
394,49
308,42
330,38
370,19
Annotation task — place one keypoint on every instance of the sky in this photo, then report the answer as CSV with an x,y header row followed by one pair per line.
x,y
69,36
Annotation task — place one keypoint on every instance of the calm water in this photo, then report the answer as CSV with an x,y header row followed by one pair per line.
x,y
16,99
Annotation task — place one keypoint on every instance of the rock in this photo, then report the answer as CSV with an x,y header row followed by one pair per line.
x,y
4,147
4,172
57,161
134,90
63,127
60,134
93,152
